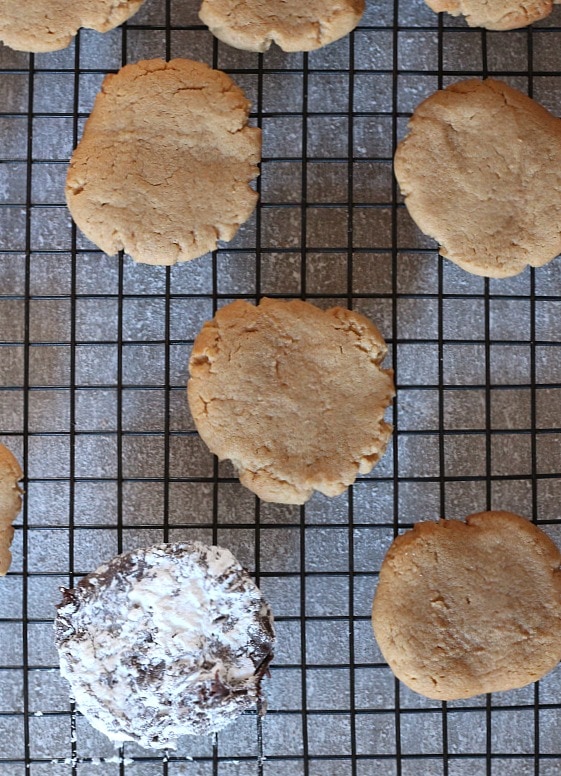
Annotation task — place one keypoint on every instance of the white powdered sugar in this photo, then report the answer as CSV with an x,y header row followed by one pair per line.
x,y
165,641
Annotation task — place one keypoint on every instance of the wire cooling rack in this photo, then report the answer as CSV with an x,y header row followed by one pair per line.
x,y
93,369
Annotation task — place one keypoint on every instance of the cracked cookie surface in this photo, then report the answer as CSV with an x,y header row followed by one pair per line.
x,y
10,504
163,169
480,171
465,608
293,395
253,25
49,25
496,14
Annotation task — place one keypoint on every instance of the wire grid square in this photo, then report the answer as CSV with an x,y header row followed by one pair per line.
x,y
109,449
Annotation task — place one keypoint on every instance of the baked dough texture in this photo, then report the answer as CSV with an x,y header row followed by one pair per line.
x,y
253,25
10,504
293,395
49,25
496,14
164,166
480,171
468,608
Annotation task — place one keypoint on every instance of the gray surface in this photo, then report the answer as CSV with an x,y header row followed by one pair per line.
x,y
315,665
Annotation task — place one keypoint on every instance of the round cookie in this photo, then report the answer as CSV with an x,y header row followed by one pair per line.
x,y
468,608
293,395
10,504
480,171
164,165
165,641
49,25
497,14
253,25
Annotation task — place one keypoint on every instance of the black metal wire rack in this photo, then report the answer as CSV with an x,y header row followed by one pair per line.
x,y
93,355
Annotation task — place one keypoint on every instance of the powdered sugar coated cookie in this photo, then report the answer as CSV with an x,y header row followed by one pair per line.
x,y
164,641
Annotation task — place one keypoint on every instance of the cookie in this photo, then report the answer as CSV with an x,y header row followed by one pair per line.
x,y
49,25
163,169
165,641
293,395
480,170
468,608
495,15
253,25
10,504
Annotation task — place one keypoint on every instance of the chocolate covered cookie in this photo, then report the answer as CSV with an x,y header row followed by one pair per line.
x,y
165,641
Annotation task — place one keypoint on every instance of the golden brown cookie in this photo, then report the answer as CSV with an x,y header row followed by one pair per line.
x,y
496,14
164,166
253,25
10,504
49,25
293,395
480,171
468,608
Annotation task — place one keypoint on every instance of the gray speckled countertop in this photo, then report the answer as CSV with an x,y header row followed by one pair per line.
x,y
477,415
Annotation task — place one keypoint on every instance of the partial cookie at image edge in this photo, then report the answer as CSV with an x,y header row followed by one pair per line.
x,y
43,25
293,26
500,15
10,504
480,171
